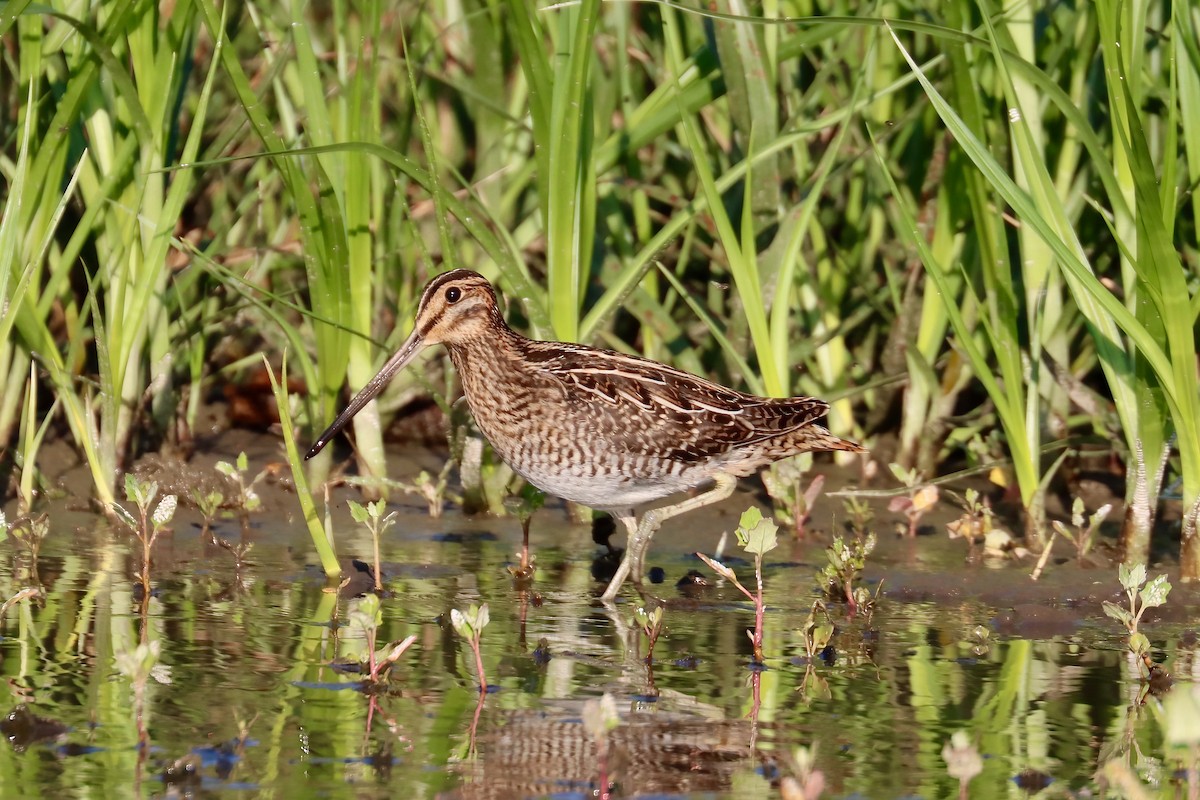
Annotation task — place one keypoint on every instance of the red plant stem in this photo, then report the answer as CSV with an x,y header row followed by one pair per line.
x,y
483,685
758,612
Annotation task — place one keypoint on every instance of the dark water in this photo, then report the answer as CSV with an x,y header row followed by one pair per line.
x,y
236,689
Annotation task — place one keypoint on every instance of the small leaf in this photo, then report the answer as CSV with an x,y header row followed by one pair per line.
x,y
750,517
226,469
1139,644
482,617
1077,512
761,537
717,567
461,626
357,511
1155,592
165,511
132,488
1134,577
243,463
376,509
1114,611
124,516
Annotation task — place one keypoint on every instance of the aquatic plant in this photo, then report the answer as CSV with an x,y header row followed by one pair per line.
x,y
1140,598
321,535
1082,533
525,505
469,625
147,525
757,536
367,616
839,577
600,718
432,490
209,504
372,517
247,498
650,623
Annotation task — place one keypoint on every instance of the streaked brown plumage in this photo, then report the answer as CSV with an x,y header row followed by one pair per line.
x,y
596,427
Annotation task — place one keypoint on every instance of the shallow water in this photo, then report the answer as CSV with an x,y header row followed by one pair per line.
x,y
239,688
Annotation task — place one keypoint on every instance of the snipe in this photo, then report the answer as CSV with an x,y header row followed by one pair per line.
x,y
610,431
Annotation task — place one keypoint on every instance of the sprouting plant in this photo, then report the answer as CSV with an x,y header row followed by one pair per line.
x,y
524,506
757,536
846,562
377,523
1085,527
209,503
976,522
431,489
600,718
146,526
963,761
806,781
1140,597
368,616
469,625
920,498
818,630
247,499
793,502
860,514
651,624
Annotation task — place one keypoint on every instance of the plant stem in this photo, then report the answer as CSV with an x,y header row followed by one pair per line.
x,y
483,684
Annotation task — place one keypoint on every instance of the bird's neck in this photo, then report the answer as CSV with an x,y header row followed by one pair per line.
x,y
495,348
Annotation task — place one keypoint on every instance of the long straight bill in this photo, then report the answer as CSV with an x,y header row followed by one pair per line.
x,y
399,361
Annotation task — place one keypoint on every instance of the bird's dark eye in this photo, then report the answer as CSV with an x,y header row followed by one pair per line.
x,y
453,294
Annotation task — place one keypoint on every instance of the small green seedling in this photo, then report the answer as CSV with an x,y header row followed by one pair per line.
x,y
963,761
377,523
247,499
757,536
651,624
600,718
525,505
146,526
917,502
469,625
368,616
1141,597
209,504
1085,527
846,563
861,515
